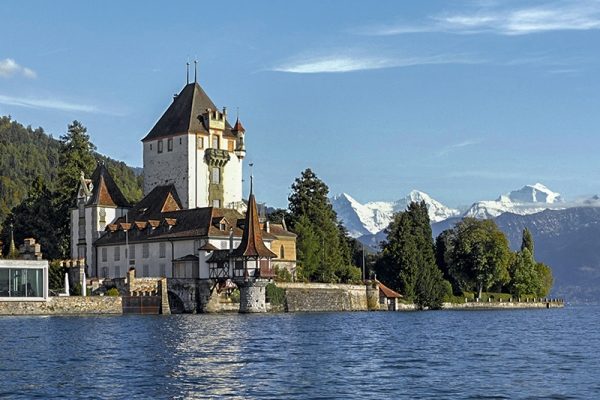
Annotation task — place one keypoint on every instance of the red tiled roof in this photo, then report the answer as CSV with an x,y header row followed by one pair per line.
x,y
387,292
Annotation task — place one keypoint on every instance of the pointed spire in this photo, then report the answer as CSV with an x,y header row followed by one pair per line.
x,y
188,71
13,253
195,71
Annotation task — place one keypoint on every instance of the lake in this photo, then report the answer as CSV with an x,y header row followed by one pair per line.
x,y
500,354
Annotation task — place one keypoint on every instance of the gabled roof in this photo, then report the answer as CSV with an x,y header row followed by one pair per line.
x,y
387,292
252,244
105,191
185,114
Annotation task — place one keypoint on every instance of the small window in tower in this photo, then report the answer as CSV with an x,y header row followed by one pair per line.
x,y
150,146
215,142
217,203
170,144
180,141
200,142
230,145
216,176
282,252
160,146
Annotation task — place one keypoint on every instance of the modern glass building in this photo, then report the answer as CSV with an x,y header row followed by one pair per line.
x,y
23,280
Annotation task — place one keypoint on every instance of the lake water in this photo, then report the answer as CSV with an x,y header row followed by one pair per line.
x,y
510,354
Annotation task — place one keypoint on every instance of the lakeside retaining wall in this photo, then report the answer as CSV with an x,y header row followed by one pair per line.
x,y
506,305
74,305
323,297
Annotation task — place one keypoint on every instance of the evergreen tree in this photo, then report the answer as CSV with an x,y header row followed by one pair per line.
x,y
527,242
478,254
37,217
76,156
322,251
407,261
544,274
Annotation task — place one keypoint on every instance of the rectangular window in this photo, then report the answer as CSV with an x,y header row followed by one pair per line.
x,y
160,146
145,250
105,272
21,282
215,142
132,252
163,270
230,145
104,254
117,253
146,271
200,142
162,250
196,247
216,175
170,144
117,271
217,203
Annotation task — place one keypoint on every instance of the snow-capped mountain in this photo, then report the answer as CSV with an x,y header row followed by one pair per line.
x,y
363,219
530,199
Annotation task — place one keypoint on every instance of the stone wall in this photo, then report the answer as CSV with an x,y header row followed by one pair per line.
x,y
74,305
483,305
324,297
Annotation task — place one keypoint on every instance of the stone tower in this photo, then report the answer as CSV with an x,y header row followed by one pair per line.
x,y
193,147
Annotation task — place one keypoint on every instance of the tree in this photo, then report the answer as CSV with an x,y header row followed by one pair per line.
x,y
407,261
478,254
544,274
524,279
37,217
527,242
75,156
322,250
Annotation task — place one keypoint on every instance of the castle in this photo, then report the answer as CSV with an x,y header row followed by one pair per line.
x,y
190,223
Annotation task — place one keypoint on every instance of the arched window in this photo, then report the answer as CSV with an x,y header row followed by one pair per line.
x,y
282,252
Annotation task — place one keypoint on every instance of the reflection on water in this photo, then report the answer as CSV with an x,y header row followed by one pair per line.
x,y
443,354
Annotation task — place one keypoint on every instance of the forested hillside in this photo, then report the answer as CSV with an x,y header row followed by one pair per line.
x,y
27,153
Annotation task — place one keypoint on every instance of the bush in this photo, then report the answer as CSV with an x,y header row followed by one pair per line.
x,y
235,296
275,295
468,295
112,292
283,274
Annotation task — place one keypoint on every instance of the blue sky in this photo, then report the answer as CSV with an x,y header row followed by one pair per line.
x,y
461,100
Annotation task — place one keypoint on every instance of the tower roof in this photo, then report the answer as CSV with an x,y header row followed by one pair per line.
x,y
252,244
238,126
105,191
185,114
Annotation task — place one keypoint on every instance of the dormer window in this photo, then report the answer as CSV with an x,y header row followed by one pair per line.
x,y
222,226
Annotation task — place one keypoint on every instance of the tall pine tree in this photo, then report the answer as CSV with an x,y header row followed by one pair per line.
x,y
407,261
323,252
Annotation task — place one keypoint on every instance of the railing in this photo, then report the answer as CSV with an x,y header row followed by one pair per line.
x,y
512,300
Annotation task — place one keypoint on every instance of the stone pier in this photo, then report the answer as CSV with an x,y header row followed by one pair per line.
x,y
253,297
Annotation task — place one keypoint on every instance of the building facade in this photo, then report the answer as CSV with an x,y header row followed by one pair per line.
x,y
192,203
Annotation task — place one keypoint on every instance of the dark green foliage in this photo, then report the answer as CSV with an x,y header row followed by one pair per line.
x,y
25,154
110,292
477,253
76,156
56,276
277,216
527,242
275,295
544,274
37,217
407,262
321,246
283,274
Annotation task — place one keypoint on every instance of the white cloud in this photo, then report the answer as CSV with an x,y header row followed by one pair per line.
x,y
565,15
466,143
48,103
9,67
346,63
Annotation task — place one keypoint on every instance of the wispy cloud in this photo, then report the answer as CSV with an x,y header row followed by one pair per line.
x,y
50,104
348,63
453,147
9,67
558,16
